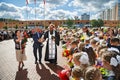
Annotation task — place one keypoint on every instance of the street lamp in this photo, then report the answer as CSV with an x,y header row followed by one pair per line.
x,y
76,18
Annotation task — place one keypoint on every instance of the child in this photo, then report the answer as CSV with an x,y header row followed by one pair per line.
x,y
64,39
68,43
93,43
77,73
92,73
91,53
81,46
114,42
84,60
81,60
111,61
99,64
74,48
87,42
76,58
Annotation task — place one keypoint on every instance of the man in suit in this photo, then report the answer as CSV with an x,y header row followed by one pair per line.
x,y
37,45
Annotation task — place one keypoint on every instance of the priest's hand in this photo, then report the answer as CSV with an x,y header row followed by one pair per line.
x,y
41,40
53,38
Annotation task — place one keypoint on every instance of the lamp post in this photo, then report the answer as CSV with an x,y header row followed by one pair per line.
x,y
76,18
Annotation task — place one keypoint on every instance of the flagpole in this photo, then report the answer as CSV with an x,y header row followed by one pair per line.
x,y
27,12
44,13
35,12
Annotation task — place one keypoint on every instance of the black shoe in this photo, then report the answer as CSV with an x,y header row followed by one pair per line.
x,y
55,63
40,62
35,62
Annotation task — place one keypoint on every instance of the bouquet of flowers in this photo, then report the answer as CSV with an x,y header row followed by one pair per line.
x,y
24,40
82,38
70,63
103,71
64,46
66,53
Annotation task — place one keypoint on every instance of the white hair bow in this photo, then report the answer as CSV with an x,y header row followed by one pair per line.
x,y
97,39
113,49
115,61
84,59
88,46
118,58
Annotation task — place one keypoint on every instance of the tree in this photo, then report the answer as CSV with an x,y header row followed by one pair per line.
x,y
118,25
16,27
2,19
69,23
26,27
100,23
7,19
97,23
94,23
5,27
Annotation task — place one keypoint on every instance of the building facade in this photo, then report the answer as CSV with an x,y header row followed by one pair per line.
x,y
111,13
32,23
85,17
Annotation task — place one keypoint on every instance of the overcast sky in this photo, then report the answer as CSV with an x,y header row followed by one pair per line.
x,y
54,9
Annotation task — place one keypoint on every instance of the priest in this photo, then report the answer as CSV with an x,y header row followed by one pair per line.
x,y
53,39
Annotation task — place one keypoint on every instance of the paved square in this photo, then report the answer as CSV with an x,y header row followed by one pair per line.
x,y
31,71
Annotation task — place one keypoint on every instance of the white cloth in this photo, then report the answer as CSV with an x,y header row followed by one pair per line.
x,y
51,46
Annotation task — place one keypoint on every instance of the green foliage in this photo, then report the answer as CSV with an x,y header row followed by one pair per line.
x,y
26,27
97,23
100,23
4,19
16,27
5,27
24,41
46,27
70,23
94,23
74,27
118,25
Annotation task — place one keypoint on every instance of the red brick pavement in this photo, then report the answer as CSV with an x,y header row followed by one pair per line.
x,y
31,71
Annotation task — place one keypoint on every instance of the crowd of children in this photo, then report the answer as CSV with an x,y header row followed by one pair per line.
x,y
91,53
